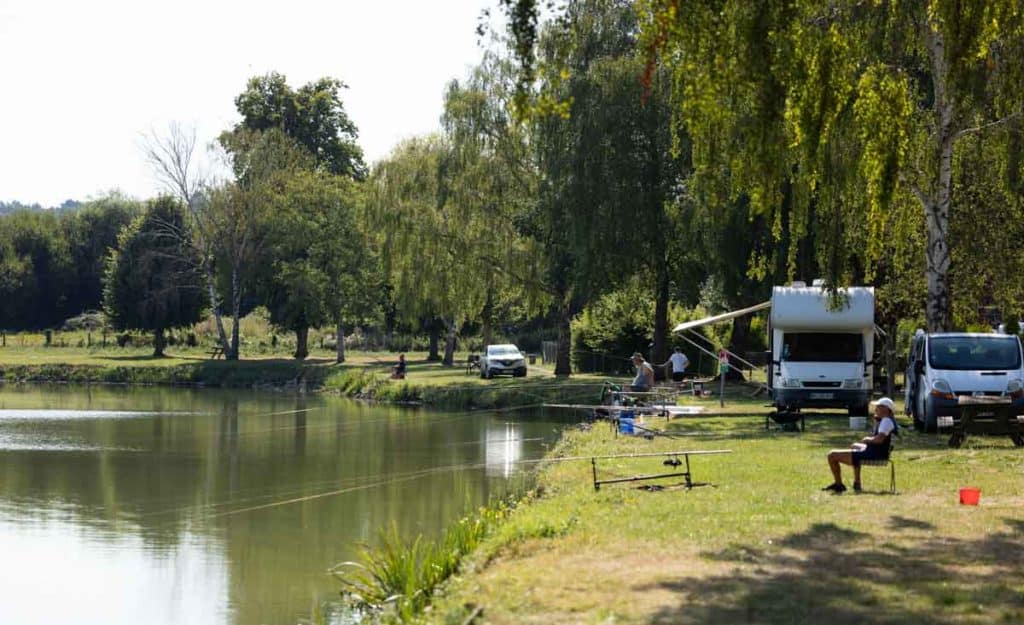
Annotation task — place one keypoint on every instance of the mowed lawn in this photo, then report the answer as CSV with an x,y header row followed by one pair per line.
x,y
762,545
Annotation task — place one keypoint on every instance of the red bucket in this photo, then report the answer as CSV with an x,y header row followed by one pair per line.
x,y
970,496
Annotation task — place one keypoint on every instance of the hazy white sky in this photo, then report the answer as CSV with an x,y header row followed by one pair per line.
x,y
83,80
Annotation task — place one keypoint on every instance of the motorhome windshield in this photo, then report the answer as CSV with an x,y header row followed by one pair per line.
x,y
822,347
974,352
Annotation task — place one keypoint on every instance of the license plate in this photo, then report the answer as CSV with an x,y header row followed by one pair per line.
x,y
821,395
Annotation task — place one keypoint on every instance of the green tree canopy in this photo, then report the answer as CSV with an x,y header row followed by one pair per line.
x,y
153,282
312,115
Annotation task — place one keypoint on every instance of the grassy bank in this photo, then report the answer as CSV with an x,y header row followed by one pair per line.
x,y
762,545
364,375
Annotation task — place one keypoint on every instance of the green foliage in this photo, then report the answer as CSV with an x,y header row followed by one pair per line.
x,y
52,261
400,577
312,115
152,280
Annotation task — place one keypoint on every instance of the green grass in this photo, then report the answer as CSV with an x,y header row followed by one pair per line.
x,y
763,544
396,579
364,374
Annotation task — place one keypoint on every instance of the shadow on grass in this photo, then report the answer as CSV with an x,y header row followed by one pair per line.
x,y
831,574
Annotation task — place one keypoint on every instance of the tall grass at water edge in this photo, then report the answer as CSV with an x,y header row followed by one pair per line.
x,y
395,581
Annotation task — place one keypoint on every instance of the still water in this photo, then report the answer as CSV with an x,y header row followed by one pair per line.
x,y
215,507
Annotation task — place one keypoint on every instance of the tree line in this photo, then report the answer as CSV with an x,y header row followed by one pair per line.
x,y
625,156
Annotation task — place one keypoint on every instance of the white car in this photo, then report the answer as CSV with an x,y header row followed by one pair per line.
x,y
498,359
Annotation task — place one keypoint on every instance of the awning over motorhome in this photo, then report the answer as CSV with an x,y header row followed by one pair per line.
x,y
719,318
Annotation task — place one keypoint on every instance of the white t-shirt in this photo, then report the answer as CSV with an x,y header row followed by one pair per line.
x,y
679,362
886,425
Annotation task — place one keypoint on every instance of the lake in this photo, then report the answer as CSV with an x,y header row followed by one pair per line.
x,y
159,505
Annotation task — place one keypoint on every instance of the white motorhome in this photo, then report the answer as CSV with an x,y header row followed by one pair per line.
x,y
821,358
942,367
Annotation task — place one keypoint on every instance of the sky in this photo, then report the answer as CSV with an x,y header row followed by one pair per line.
x,y
85,81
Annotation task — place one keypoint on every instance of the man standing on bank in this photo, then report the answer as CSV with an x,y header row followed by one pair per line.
x,y
679,362
874,447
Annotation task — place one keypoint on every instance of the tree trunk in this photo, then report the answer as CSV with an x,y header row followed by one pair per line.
x,y
301,342
236,308
938,305
449,345
739,340
563,365
890,361
158,343
660,353
211,290
486,315
435,337
340,347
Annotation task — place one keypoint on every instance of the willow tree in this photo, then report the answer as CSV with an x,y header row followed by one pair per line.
x,y
819,100
488,180
425,244
609,176
840,106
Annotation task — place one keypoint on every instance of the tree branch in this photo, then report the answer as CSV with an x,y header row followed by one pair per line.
x,y
984,127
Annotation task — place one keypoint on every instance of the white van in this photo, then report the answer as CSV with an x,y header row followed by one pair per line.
x,y
942,367
821,358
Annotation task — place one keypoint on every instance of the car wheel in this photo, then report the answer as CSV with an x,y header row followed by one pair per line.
x,y
483,373
520,373
488,374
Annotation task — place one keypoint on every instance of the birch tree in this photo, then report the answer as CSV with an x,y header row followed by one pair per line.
x,y
824,98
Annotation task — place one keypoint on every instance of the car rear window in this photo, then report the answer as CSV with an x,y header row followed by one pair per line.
x,y
974,353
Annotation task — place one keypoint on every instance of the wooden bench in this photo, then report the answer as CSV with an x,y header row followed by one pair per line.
x,y
216,352
997,416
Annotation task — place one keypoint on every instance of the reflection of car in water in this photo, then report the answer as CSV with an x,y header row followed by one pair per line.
x,y
943,367
502,359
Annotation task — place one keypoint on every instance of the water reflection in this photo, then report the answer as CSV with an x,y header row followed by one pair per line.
x,y
164,505
504,449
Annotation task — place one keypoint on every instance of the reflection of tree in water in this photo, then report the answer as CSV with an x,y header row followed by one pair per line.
x,y
902,573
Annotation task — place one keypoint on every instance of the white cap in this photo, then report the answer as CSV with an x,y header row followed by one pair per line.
x,y
888,403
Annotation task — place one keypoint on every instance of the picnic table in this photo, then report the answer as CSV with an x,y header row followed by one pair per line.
x,y
216,352
998,416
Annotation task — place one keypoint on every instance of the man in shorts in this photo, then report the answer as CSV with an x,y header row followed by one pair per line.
x,y
874,447
678,362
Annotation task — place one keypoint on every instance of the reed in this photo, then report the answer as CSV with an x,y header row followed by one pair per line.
x,y
395,580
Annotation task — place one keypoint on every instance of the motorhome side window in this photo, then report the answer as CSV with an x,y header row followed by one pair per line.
x,y
974,352
822,347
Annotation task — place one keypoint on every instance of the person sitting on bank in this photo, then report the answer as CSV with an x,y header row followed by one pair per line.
x,y
678,361
874,447
398,371
644,379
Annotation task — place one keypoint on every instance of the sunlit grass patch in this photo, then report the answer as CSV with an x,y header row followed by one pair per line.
x,y
762,544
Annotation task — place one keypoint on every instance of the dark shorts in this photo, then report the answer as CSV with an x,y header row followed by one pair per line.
x,y
873,452
639,388
677,376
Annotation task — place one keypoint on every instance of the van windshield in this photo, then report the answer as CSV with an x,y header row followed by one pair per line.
x,y
974,352
822,347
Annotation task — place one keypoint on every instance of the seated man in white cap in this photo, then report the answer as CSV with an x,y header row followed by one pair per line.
x,y
874,447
